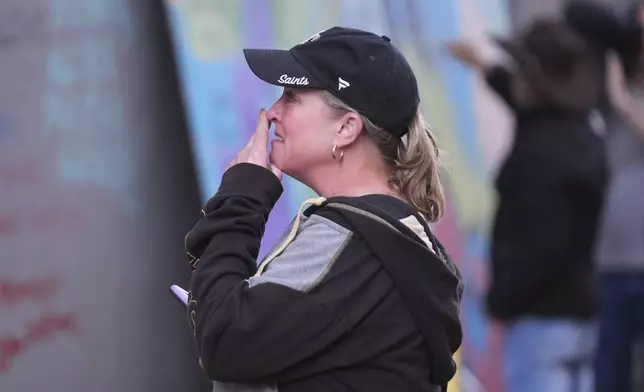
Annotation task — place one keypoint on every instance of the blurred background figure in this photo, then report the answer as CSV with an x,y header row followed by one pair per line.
x,y
620,250
550,189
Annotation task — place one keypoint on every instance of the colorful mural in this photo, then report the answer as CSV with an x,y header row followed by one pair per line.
x,y
222,98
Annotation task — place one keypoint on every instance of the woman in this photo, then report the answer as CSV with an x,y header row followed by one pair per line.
x,y
620,249
550,190
358,295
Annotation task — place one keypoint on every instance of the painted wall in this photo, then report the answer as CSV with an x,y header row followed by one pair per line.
x,y
96,194
222,98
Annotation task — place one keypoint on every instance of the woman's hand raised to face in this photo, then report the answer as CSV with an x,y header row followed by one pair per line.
x,y
256,150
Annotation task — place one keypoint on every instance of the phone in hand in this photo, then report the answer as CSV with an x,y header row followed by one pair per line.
x,y
180,294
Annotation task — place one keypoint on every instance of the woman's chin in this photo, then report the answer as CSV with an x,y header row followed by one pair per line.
x,y
276,159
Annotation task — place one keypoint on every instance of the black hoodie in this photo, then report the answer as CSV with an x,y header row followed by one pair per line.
x,y
358,297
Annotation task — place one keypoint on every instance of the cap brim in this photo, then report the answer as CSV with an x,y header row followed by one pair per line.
x,y
279,68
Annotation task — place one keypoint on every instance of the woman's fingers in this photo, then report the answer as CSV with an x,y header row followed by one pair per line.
x,y
256,150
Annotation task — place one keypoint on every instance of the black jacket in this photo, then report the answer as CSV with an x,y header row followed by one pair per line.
x,y
357,301
550,193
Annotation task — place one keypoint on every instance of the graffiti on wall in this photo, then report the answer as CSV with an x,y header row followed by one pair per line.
x,y
66,174
46,325
222,97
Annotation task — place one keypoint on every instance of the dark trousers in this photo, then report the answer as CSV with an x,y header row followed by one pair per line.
x,y
621,326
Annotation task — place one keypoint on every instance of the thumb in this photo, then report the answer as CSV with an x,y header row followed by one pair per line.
x,y
276,170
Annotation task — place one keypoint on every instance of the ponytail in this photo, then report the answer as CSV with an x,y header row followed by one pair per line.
x,y
416,170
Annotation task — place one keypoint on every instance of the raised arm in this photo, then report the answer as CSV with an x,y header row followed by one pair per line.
x,y
498,78
263,328
628,106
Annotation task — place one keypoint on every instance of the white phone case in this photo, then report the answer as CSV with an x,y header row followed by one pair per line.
x,y
180,294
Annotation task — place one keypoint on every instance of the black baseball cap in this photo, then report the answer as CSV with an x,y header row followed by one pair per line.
x,y
362,69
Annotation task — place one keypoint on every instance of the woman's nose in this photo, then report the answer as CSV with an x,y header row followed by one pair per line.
x,y
273,112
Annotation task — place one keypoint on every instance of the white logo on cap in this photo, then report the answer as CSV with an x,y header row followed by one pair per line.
x,y
301,81
342,84
312,38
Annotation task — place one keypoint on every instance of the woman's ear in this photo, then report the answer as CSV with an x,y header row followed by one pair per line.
x,y
351,126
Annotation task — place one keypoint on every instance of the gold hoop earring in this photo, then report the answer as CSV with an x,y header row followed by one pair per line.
x,y
335,146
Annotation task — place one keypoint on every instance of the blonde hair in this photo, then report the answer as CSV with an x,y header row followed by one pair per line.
x,y
415,164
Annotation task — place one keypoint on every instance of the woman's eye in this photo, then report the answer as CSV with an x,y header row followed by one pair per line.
x,y
289,96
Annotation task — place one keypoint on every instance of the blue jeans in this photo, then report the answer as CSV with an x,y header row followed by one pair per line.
x,y
621,325
549,355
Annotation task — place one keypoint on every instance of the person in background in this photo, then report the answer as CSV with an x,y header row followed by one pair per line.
x,y
550,192
358,295
620,250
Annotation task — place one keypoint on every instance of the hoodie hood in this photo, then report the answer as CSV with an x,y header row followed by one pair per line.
x,y
429,282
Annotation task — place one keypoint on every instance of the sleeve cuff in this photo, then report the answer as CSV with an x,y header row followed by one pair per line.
x,y
247,179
